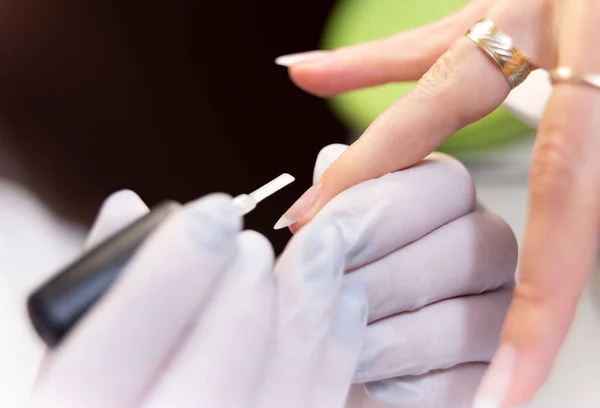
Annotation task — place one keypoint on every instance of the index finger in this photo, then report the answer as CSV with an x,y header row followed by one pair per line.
x,y
463,86
111,358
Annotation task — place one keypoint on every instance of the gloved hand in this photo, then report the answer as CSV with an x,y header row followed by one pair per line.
x,y
198,318
437,270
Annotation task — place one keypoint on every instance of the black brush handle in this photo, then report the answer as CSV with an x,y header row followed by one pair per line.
x,y
62,301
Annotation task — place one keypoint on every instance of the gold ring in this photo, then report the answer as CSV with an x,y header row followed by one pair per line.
x,y
499,48
566,74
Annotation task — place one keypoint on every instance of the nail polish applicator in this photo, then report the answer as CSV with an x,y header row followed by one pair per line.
x,y
58,304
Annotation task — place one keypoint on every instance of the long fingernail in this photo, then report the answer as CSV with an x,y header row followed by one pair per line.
x,y
300,207
496,383
298,58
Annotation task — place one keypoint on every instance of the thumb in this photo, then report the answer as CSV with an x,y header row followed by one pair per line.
x,y
118,211
325,159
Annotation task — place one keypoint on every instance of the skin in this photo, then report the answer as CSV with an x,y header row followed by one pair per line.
x,y
459,85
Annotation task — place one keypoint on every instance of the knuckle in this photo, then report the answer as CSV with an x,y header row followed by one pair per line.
x,y
528,293
554,166
545,298
442,70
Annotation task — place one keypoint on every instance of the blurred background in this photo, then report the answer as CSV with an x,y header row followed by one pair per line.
x,y
182,98
179,100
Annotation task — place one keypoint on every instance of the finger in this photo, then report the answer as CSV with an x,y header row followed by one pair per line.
x,y
403,57
379,216
439,336
463,86
451,388
112,357
118,210
561,237
309,276
215,367
333,377
473,254
325,159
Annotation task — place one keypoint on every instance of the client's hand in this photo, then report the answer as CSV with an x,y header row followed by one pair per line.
x,y
199,319
438,272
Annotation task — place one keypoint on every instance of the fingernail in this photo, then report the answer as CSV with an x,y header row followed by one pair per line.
x,y
300,207
496,383
298,58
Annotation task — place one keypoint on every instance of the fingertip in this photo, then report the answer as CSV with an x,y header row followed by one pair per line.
x,y
219,206
301,223
326,157
536,346
259,247
535,329
116,212
315,79
213,222
123,201
321,201
295,227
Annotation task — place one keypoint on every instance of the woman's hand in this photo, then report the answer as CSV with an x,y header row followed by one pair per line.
x,y
459,84
199,319
438,272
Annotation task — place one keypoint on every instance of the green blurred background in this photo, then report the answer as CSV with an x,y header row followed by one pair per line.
x,y
355,21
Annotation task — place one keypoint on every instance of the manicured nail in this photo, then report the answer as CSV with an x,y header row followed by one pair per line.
x,y
293,59
496,383
300,207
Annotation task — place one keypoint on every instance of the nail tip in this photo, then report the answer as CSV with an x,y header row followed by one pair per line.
x,y
291,60
281,62
283,222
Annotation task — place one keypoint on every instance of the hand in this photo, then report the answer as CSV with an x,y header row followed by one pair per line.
x,y
438,272
462,86
198,319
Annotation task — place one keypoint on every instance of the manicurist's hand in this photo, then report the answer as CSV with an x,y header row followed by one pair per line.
x,y
201,317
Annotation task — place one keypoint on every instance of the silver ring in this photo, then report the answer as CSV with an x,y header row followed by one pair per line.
x,y
567,74
499,48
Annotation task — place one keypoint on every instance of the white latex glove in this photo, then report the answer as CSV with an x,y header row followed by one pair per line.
x,y
198,319
437,271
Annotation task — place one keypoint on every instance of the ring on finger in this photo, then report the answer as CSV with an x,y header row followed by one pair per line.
x,y
567,74
499,48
